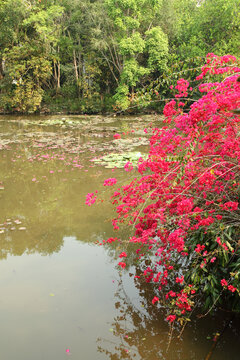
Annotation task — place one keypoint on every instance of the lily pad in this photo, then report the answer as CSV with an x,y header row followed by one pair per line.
x,y
119,160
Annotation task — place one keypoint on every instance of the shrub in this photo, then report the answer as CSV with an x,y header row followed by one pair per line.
x,y
185,205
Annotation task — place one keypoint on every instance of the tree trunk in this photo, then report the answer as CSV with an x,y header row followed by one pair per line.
x,y
1,69
58,72
75,66
58,75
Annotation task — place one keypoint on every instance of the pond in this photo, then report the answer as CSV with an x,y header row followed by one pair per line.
x,y
61,295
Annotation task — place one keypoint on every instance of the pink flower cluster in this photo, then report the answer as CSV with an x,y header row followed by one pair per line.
x,y
182,88
110,182
230,287
90,199
128,166
122,264
117,136
155,299
187,186
123,254
171,318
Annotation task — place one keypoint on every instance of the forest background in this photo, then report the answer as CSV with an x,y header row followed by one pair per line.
x,y
93,56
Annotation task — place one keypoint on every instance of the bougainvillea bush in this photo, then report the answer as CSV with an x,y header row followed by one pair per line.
x,y
183,209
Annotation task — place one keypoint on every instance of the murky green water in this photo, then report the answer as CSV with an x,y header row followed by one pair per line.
x,y
60,293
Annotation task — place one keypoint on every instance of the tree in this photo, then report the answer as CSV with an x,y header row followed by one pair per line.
x,y
11,16
28,59
142,46
213,27
101,52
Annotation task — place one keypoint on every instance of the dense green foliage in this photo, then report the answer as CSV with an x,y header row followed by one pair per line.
x,y
95,55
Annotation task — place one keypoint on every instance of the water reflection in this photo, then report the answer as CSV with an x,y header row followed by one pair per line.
x,y
36,215
51,303
140,332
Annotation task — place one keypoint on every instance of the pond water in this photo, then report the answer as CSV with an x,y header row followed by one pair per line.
x,y
61,295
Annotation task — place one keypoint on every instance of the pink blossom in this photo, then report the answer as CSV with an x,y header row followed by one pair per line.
x,y
110,182
128,166
155,299
224,282
123,254
180,280
231,288
171,318
122,264
90,199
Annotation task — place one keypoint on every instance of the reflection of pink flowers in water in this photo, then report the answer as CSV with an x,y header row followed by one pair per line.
x,y
67,351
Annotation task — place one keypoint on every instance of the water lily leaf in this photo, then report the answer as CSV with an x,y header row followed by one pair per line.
x,y
119,160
